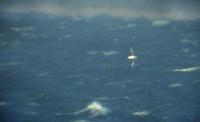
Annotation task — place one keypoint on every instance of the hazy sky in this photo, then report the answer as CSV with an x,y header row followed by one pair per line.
x,y
151,9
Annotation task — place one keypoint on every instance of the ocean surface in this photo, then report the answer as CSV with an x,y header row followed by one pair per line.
x,y
52,68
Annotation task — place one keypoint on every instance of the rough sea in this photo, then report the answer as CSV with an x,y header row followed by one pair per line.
x,y
53,68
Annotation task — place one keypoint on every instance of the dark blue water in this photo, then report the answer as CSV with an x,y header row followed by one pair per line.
x,y
50,66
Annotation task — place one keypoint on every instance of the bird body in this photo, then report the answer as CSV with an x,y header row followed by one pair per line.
x,y
132,57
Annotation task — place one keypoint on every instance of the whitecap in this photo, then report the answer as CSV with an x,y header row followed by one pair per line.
x,y
17,29
131,25
115,40
141,113
112,84
30,28
113,98
175,85
94,109
185,50
194,55
109,53
160,22
185,40
105,53
189,69
43,74
92,53
164,117
28,34
59,114
80,121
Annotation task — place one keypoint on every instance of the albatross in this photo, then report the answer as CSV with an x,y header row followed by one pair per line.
x,y
132,57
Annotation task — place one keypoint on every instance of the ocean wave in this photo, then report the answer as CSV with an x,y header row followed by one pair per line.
x,y
94,109
189,69
141,113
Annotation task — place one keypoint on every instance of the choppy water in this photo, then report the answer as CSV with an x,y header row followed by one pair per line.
x,y
50,67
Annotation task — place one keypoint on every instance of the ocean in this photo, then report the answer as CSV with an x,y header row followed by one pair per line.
x,y
53,68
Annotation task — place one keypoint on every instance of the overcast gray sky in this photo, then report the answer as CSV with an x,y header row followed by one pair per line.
x,y
151,9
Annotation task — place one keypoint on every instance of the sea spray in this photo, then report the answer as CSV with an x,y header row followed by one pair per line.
x,y
94,109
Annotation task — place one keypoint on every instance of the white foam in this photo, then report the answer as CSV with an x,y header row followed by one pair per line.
x,y
109,53
175,85
112,84
141,113
128,26
185,40
95,109
43,74
131,25
16,29
80,121
189,69
164,117
92,53
185,50
194,55
115,40
113,98
31,35
105,53
59,114
160,22
28,34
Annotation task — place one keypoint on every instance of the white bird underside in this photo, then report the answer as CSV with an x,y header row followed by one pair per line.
x,y
132,57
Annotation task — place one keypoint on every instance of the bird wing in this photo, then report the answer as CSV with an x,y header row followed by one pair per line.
x,y
132,63
131,50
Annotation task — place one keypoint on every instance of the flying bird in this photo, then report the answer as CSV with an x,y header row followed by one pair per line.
x,y
132,57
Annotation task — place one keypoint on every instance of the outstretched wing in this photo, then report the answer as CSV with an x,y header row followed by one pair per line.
x,y
132,63
131,50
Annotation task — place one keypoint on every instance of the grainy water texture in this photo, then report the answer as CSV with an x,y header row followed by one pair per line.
x,y
65,69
